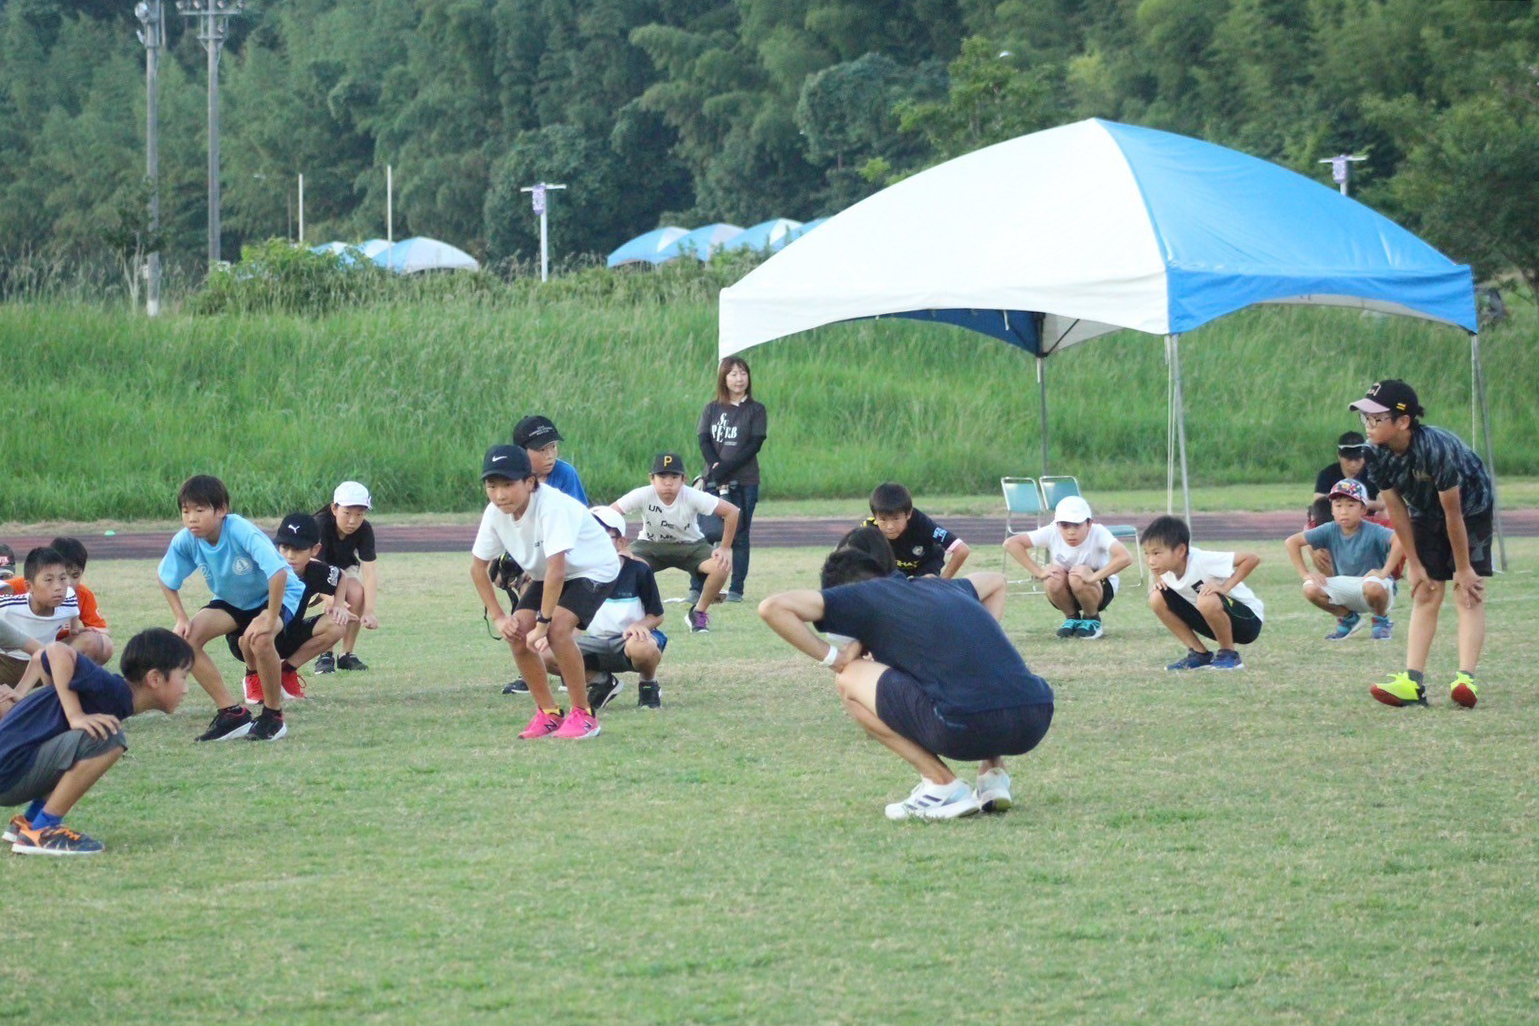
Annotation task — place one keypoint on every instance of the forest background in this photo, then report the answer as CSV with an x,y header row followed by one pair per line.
x,y
692,111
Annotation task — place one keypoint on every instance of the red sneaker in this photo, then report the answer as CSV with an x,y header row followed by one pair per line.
x,y
293,683
253,688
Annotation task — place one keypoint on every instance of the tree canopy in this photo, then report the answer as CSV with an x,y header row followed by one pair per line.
x,y
694,111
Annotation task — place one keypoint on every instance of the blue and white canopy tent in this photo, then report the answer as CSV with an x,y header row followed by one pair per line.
x,y
1064,235
647,248
421,253
701,243
769,235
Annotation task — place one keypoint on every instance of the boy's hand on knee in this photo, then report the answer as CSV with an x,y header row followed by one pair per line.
x,y
182,628
507,626
263,625
1469,587
97,725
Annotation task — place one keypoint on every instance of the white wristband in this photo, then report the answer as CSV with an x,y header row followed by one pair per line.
x,y
833,654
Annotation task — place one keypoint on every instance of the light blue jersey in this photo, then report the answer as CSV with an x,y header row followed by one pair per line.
x,y
237,569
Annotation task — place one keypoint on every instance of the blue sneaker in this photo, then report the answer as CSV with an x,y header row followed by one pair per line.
x,y
1346,626
1193,660
1382,628
1226,659
1068,627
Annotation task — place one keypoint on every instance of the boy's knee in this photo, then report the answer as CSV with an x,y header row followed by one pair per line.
x,y
1209,602
1374,590
1157,600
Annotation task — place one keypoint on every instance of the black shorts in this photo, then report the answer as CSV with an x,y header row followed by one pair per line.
x,y
903,705
243,618
1436,554
293,637
579,596
1107,594
1243,620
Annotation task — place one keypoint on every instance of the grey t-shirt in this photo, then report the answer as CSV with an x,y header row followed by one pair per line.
x,y
730,427
1355,556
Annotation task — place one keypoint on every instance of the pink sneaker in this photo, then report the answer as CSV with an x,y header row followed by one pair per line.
x,y
579,723
253,689
543,724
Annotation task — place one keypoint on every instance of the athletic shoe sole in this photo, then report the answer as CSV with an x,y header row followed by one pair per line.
x,y
997,801
283,731
1394,700
30,849
239,732
1464,695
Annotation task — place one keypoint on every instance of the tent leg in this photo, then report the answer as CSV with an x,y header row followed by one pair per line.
x,y
1478,378
1178,411
1042,397
1170,432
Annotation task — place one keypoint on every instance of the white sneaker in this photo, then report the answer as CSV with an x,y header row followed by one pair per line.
x,y
936,801
993,791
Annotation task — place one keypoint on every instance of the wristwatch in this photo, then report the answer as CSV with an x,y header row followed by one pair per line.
x,y
541,618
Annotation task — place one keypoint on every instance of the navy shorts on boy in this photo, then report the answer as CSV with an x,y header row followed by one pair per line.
x,y
243,618
968,680
39,718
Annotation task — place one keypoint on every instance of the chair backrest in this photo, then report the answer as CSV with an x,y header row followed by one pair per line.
x,y
1022,499
1056,489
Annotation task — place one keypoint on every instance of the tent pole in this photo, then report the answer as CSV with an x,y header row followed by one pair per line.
x,y
1042,397
1478,378
1170,432
1179,411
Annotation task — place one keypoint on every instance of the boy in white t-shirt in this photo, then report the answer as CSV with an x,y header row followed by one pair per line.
x,y
35,618
573,566
1197,592
1083,560
670,531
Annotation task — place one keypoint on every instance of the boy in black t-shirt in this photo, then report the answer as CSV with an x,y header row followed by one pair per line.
x,y
969,696
920,546
60,740
347,542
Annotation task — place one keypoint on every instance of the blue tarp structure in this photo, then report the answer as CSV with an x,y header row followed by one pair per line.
x,y
1065,235
765,236
423,254
700,243
646,248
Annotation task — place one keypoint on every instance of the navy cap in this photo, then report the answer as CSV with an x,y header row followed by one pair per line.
x,y
509,461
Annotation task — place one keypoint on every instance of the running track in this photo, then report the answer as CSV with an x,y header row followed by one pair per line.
x,y
782,533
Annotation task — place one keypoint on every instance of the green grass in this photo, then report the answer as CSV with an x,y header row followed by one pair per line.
x,y
112,412
1264,847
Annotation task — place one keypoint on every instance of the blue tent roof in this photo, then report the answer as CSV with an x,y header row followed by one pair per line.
x,y
700,243
766,235
646,248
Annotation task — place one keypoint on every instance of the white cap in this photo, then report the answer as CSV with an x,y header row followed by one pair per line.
x,y
351,493
1072,510
610,518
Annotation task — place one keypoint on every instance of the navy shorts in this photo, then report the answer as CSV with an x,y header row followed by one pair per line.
x,y
1243,620
1436,553
903,705
580,596
243,618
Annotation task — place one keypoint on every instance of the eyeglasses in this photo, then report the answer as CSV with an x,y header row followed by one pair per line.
x,y
1373,419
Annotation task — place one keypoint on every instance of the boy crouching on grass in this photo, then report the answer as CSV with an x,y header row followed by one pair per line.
x,y
255,597
920,546
966,696
1201,592
1083,560
46,609
670,531
347,542
1364,556
573,565
60,741
623,636
91,637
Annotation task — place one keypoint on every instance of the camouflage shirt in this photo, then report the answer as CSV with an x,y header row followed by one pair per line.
x,y
1436,461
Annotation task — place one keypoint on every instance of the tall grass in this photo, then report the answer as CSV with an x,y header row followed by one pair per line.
x,y
110,411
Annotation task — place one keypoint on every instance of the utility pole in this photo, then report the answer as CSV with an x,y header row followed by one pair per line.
x,y
1341,167
538,190
153,36
213,18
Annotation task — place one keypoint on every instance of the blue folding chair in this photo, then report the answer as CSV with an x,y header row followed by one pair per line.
x,y
1056,489
1023,513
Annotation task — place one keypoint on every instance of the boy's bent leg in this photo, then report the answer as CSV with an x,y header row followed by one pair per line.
x,y
563,647
208,624
857,685
94,645
1056,587
1211,606
264,655
645,656
1472,635
715,578
325,635
79,779
1173,622
1087,594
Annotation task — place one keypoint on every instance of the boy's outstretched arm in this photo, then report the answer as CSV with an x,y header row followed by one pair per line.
x,y
1120,560
370,593
1244,563
789,615
174,600
955,557
61,668
730,515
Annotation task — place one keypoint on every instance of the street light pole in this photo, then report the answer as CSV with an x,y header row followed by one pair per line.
x,y
1341,167
213,18
153,36
537,192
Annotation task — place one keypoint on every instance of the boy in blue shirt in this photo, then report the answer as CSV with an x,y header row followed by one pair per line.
x,y
1363,556
539,437
255,597
60,740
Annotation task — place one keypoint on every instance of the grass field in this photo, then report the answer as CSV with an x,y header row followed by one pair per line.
x,y
1267,847
114,411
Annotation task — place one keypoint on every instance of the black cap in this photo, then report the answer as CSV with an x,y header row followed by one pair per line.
x,y
7,563
535,433
668,463
509,461
298,531
1390,396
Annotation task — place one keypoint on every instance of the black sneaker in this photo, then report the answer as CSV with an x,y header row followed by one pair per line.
x,y
600,693
268,727
326,663
348,661
227,725
649,695
517,687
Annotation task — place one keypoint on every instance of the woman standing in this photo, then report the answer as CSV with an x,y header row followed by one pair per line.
x,y
732,430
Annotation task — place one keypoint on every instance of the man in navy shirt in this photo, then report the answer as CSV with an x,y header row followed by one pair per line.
x,y
968,696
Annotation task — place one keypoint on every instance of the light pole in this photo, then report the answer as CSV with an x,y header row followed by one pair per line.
x,y
537,192
213,17
1341,167
153,36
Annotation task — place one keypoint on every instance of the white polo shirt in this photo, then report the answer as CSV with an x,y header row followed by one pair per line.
x,y
552,523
